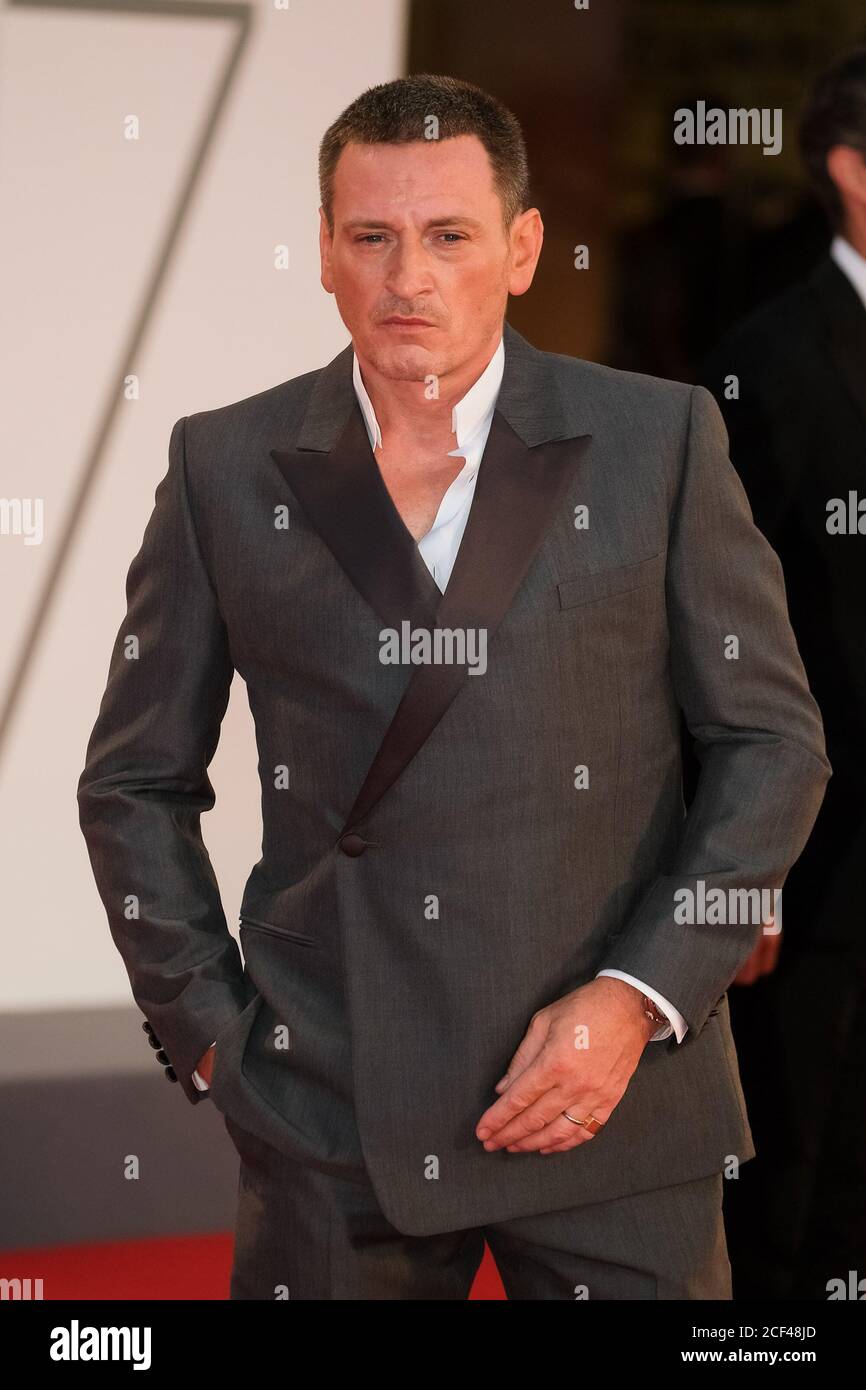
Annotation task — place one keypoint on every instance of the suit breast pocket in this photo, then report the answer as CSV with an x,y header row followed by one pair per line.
x,y
601,584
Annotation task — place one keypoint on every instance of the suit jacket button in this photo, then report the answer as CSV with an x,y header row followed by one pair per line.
x,y
353,845
170,1073
163,1057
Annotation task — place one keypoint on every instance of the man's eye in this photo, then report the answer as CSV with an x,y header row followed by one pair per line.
x,y
374,237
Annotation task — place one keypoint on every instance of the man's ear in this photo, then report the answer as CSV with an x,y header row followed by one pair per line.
x,y
525,236
325,253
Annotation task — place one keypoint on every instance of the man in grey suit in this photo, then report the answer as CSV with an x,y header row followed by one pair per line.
x,y
471,587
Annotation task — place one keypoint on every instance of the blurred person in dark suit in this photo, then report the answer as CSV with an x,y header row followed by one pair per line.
x,y
791,382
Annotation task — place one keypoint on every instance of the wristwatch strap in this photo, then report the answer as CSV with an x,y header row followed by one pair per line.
x,y
652,1010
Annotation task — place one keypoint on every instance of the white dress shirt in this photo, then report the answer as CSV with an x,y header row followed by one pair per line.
x,y
851,263
470,422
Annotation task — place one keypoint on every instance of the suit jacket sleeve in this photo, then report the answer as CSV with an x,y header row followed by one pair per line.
x,y
145,785
757,730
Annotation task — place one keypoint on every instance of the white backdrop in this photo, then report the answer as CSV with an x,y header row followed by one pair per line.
x,y
85,211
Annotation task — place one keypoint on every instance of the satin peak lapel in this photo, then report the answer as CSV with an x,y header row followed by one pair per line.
x,y
346,500
516,494
535,445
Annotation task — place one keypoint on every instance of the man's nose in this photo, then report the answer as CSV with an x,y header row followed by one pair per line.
x,y
409,274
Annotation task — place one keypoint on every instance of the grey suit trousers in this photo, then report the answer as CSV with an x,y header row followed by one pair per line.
x,y
304,1234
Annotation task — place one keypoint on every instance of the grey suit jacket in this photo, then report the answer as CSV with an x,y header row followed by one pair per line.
x,y
430,874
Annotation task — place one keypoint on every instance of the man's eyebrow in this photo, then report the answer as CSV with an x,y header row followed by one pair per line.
x,y
448,220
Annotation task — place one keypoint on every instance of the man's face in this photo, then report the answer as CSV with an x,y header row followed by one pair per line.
x,y
418,233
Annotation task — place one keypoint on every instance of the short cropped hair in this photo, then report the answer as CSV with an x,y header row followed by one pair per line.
x,y
395,113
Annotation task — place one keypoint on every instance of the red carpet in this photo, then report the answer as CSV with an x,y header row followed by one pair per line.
x,y
171,1268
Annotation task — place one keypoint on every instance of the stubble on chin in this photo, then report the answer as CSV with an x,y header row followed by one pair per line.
x,y
408,363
